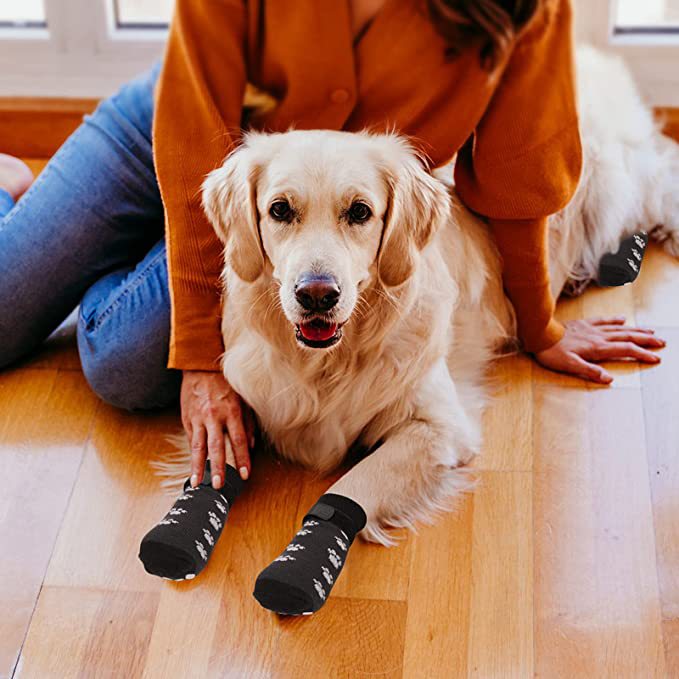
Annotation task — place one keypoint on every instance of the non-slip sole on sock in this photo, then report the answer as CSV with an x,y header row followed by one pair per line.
x,y
622,267
179,546
299,580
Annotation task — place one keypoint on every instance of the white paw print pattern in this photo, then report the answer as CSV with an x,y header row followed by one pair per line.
x,y
326,574
175,511
285,557
208,537
186,496
637,254
201,550
639,240
220,507
214,520
294,547
310,523
342,545
319,588
632,265
303,532
333,557
168,522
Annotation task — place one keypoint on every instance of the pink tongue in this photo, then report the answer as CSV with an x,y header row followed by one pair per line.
x,y
318,332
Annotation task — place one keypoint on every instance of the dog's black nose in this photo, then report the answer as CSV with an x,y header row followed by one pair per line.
x,y
317,293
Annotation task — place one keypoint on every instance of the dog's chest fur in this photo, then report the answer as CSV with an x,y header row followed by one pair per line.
x,y
313,406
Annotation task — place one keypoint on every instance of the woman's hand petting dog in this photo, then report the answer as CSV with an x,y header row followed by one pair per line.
x,y
599,339
219,424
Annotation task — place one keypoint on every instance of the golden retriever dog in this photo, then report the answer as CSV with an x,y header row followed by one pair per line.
x,y
363,302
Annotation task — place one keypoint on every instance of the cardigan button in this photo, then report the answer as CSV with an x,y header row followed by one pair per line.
x,y
340,96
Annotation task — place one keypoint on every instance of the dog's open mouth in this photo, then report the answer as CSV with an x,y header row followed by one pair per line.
x,y
318,333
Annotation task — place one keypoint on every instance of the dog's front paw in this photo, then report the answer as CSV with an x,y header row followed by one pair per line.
x,y
299,580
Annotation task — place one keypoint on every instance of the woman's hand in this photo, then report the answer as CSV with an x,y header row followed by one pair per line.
x,y
219,424
599,339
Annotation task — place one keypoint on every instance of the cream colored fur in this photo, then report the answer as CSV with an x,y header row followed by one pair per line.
x,y
422,297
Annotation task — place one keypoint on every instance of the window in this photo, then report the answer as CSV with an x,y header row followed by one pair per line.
x,y
645,33
26,13
88,48
78,48
649,16
142,13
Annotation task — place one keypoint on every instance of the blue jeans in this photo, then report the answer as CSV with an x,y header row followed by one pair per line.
x,y
90,231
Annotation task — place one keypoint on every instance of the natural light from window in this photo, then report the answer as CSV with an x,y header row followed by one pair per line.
x,y
22,13
89,48
131,13
648,14
630,15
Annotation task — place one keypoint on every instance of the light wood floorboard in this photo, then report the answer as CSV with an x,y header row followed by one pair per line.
x,y
563,563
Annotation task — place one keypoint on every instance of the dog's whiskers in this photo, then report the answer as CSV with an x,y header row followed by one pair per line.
x,y
273,302
253,304
391,301
362,308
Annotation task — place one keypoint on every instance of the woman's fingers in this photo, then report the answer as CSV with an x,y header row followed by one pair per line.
x,y
589,371
198,454
239,440
230,457
643,339
617,350
607,320
249,418
618,328
213,419
216,453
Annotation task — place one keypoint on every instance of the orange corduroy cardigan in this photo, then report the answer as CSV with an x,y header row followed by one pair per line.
x,y
514,130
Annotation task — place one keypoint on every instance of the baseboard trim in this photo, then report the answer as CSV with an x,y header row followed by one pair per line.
x,y
37,127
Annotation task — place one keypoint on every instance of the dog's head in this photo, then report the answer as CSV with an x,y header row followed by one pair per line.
x,y
327,215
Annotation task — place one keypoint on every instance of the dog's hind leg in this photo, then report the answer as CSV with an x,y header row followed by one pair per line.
x,y
416,473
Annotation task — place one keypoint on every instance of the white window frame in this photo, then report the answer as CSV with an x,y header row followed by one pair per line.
x,y
652,57
81,52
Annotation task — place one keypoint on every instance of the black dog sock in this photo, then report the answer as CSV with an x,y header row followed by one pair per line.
x,y
624,265
300,579
179,547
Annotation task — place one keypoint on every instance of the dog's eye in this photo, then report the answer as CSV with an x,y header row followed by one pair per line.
x,y
359,213
281,211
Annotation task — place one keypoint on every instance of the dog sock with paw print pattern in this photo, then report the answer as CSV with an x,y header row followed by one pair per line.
x,y
624,265
299,581
178,548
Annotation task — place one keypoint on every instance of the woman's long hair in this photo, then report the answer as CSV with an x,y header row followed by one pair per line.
x,y
489,25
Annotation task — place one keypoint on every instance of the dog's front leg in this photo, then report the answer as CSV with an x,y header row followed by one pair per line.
x,y
408,478
416,471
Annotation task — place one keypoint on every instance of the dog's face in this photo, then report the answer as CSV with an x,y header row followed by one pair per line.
x,y
327,214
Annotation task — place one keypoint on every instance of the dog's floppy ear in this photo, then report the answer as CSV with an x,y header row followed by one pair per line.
x,y
230,202
418,206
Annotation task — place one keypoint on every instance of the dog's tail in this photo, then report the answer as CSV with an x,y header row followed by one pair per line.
x,y
174,467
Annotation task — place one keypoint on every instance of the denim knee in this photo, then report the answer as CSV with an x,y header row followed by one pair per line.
x,y
126,117
134,101
114,371
124,354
